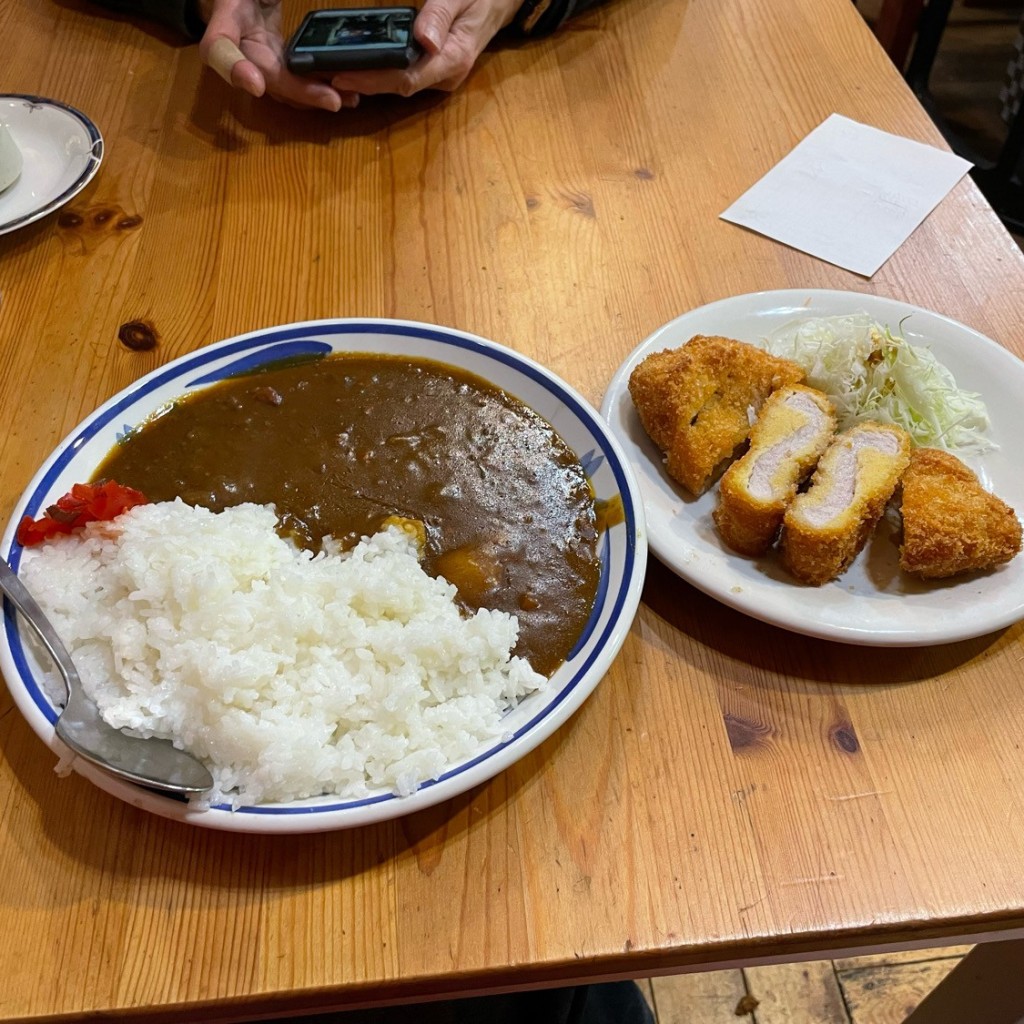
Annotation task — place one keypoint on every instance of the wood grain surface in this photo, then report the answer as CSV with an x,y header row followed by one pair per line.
x,y
731,792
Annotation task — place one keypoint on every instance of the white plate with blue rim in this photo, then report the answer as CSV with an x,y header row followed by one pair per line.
x,y
872,603
61,151
623,553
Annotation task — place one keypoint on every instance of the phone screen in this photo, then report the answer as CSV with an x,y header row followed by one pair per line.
x,y
372,29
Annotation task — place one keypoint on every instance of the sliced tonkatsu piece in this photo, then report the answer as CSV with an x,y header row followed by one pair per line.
x,y
951,524
826,526
697,402
795,426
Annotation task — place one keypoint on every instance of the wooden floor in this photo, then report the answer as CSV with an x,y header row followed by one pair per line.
x,y
880,989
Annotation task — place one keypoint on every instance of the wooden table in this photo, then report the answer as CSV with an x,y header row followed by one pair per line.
x,y
731,792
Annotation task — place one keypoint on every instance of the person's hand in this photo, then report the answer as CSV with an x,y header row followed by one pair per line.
x,y
243,44
453,34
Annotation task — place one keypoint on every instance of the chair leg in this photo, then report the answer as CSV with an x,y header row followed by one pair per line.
x,y
987,985
931,26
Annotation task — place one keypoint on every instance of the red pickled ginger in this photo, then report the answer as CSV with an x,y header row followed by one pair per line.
x,y
84,503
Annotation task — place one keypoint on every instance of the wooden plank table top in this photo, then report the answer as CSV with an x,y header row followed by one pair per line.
x,y
731,792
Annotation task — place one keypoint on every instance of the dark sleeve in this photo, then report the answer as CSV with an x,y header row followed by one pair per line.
x,y
539,17
181,15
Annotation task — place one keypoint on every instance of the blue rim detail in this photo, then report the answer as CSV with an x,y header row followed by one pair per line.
x,y
254,360
95,158
272,342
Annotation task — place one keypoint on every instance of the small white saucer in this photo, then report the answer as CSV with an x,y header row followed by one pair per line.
x,y
61,149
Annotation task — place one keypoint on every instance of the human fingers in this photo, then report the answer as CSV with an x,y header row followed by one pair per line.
x,y
223,55
296,90
243,45
469,26
260,71
444,70
434,22
374,83
263,48
307,92
348,100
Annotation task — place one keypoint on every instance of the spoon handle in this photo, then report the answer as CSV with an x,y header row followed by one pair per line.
x,y
19,596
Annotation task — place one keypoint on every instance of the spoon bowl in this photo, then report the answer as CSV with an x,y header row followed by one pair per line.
x,y
151,762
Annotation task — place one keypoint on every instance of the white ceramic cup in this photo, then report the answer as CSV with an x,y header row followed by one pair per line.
x,y
10,159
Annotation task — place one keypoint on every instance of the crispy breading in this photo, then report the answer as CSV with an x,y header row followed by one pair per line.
x,y
795,426
826,526
951,524
696,402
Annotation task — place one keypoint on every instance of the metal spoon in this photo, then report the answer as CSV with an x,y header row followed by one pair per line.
x,y
148,762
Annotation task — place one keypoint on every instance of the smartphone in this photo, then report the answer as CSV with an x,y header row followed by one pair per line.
x,y
353,39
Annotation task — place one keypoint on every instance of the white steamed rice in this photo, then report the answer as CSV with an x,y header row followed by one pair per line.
x,y
289,675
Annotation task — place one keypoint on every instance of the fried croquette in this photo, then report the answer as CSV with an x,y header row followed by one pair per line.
x,y
826,526
795,426
696,402
951,524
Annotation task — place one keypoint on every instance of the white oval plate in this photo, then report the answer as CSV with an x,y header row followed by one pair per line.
x,y
873,603
623,552
61,149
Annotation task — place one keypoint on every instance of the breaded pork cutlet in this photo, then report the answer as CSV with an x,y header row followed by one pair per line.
x,y
696,401
826,526
951,524
795,426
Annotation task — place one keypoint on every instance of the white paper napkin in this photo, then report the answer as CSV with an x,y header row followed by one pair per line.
x,y
848,193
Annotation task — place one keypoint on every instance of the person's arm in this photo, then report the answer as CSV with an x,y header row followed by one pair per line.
x,y
181,15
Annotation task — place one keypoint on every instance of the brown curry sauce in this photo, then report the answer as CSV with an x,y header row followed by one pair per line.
x,y
341,443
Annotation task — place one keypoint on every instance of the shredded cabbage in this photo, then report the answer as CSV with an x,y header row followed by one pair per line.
x,y
872,374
